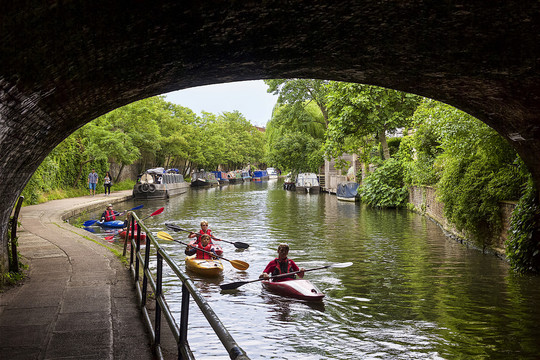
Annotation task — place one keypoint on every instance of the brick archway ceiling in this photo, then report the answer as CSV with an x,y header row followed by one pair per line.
x,y
63,64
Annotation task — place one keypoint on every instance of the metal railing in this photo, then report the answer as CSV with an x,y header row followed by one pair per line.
x,y
138,263
13,258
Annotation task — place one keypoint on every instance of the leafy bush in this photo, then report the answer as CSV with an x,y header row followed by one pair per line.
x,y
384,187
522,247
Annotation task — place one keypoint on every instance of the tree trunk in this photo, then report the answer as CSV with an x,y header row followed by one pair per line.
x,y
78,177
384,144
119,173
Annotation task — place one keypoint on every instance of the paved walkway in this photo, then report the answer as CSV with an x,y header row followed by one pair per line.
x,y
78,301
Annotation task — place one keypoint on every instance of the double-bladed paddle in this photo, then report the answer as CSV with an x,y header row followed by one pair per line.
x,y
236,285
92,222
237,244
157,212
237,264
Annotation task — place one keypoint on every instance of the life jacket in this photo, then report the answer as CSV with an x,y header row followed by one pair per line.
x,y
281,269
202,254
109,215
201,232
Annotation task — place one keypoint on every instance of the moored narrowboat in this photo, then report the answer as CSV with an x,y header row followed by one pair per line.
x,y
307,183
159,183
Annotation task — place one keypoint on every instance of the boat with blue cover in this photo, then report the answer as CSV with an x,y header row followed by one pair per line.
x,y
347,191
259,175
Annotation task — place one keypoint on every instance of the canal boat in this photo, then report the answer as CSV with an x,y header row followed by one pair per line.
x,y
245,176
204,267
347,191
307,183
297,289
159,183
235,177
111,224
272,173
221,177
259,175
203,179
290,182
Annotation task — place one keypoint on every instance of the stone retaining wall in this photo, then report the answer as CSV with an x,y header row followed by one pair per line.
x,y
424,200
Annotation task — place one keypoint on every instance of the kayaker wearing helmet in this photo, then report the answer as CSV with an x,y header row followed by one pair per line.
x,y
281,265
205,245
109,214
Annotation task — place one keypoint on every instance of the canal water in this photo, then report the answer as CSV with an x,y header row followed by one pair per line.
x,y
412,293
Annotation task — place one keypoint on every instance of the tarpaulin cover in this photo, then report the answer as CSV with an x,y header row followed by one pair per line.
x,y
347,189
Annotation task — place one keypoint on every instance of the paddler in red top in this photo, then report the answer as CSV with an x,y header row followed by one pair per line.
x,y
207,231
204,230
109,214
205,245
282,265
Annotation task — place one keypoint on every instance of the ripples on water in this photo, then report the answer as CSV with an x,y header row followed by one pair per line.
x,y
412,293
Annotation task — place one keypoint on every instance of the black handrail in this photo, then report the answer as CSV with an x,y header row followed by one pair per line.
x,y
161,307
14,261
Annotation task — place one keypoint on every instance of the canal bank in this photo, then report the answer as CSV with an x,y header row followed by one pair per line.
x,y
423,200
78,300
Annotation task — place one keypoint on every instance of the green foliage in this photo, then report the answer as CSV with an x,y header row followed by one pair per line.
x,y
522,247
393,145
297,152
385,187
362,113
472,166
298,124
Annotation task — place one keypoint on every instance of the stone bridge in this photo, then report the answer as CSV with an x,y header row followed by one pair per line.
x,y
64,63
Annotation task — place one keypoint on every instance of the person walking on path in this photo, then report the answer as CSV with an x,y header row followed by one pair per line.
x,y
92,182
107,183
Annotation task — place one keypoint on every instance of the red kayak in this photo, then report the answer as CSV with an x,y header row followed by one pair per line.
x,y
122,234
298,289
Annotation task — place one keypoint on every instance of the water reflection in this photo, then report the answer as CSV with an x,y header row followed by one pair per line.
x,y
411,293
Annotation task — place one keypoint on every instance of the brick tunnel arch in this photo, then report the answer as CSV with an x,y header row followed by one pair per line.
x,y
62,64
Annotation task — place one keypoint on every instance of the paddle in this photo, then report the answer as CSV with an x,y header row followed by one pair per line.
x,y
237,264
92,222
237,244
157,212
236,285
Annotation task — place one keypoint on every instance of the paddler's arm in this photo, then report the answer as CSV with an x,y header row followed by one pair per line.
x,y
190,250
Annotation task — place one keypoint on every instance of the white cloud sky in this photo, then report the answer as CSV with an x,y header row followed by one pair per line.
x,y
248,97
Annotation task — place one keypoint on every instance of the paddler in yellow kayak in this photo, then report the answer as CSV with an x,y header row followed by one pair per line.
x,y
204,244
282,265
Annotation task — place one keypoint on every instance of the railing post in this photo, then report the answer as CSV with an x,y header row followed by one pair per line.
x,y
159,284
137,252
14,265
127,239
184,313
146,263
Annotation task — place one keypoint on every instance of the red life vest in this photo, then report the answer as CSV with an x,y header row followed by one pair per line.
x,y
202,254
201,232
109,215
278,270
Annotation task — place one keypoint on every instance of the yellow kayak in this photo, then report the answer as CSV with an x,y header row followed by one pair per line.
x,y
204,267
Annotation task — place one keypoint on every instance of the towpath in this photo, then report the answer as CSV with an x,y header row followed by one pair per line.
x,y
78,301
